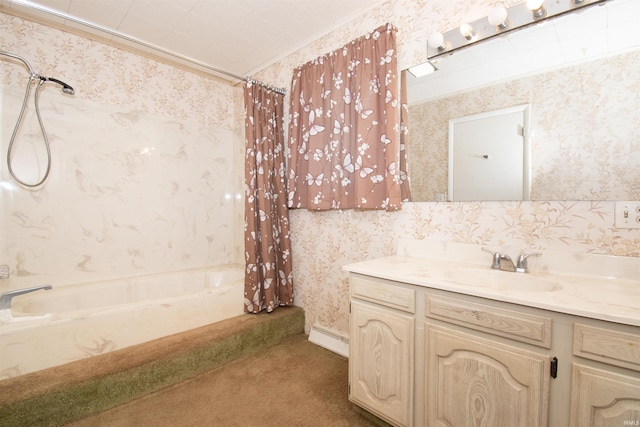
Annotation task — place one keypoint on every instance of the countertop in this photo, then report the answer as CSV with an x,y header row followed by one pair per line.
x,y
612,299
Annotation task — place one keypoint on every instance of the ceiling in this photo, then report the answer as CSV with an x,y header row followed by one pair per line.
x,y
227,38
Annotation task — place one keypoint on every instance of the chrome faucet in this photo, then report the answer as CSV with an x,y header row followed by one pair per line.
x,y
5,299
501,261
522,266
505,263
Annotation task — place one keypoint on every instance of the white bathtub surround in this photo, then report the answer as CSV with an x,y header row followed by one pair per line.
x,y
144,180
129,193
95,318
144,172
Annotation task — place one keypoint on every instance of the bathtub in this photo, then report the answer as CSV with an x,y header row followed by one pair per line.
x,y
68,323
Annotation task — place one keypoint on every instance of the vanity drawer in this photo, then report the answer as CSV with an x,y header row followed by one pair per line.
x,y
515,325
383,293
607,345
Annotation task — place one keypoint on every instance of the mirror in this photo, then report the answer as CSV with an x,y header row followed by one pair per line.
x,y
579,74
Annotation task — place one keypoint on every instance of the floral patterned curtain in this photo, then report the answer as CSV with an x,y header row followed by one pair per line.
x,y
344,129
405,173
268,278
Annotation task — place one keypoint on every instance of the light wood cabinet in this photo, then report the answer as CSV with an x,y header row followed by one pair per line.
x,y
381,358
605,396
604,399
421,356
607,345
480,383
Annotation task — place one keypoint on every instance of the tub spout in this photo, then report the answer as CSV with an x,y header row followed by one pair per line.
x,y
5,299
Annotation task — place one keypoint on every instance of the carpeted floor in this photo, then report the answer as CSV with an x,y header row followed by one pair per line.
x,y
292,383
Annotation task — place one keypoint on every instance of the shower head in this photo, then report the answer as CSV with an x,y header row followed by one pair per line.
x,y
65,87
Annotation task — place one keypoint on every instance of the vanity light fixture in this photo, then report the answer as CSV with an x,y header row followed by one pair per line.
x,y
502,20
467,31
498,17
537,7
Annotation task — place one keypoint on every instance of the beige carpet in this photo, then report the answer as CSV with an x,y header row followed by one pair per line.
x,y
293,383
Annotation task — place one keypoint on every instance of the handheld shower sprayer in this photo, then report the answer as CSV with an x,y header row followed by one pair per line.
x,y
66,89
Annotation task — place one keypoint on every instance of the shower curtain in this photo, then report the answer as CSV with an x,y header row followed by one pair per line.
x,y
268,272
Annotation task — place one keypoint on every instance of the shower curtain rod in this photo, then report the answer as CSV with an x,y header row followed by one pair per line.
x,y
273,88
47,10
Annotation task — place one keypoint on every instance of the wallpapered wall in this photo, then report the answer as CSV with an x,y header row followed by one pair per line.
x,y
143,177
561,125
325,241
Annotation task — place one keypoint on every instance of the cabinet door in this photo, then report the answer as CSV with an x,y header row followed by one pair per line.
x,y
476,382
603,399
381,362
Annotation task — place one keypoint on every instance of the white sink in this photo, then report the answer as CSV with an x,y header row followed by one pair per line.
x,y
502,280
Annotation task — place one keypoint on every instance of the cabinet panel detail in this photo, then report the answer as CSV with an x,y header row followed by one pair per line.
x,y
603,399
383,293
605,345
510,324
480,383
381,362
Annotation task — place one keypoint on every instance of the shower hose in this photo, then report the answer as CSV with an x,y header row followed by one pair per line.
x,y
44,133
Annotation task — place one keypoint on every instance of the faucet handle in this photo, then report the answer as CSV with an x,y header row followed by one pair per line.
x,y
521,266
495,264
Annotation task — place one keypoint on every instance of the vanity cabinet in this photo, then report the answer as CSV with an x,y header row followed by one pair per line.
x,y
422,356
477,381
381,350
604,395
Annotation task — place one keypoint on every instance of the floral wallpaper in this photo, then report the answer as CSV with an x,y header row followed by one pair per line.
x,y
561,126
323,242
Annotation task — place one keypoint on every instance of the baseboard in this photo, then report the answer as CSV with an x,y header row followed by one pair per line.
x,y
331,340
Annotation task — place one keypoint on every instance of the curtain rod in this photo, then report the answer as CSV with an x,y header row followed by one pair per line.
x,y
47,10
273,88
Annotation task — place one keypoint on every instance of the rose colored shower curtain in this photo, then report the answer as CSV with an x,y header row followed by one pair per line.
x,y
344,132
268,278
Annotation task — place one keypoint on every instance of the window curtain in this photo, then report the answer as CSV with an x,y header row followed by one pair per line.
x,y
268,273
344,128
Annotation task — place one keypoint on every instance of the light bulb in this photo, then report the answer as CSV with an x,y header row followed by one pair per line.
x,y
498,17
467,31
436,41
536,6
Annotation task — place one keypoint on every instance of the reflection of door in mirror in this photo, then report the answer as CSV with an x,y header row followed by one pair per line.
x,y
489,156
